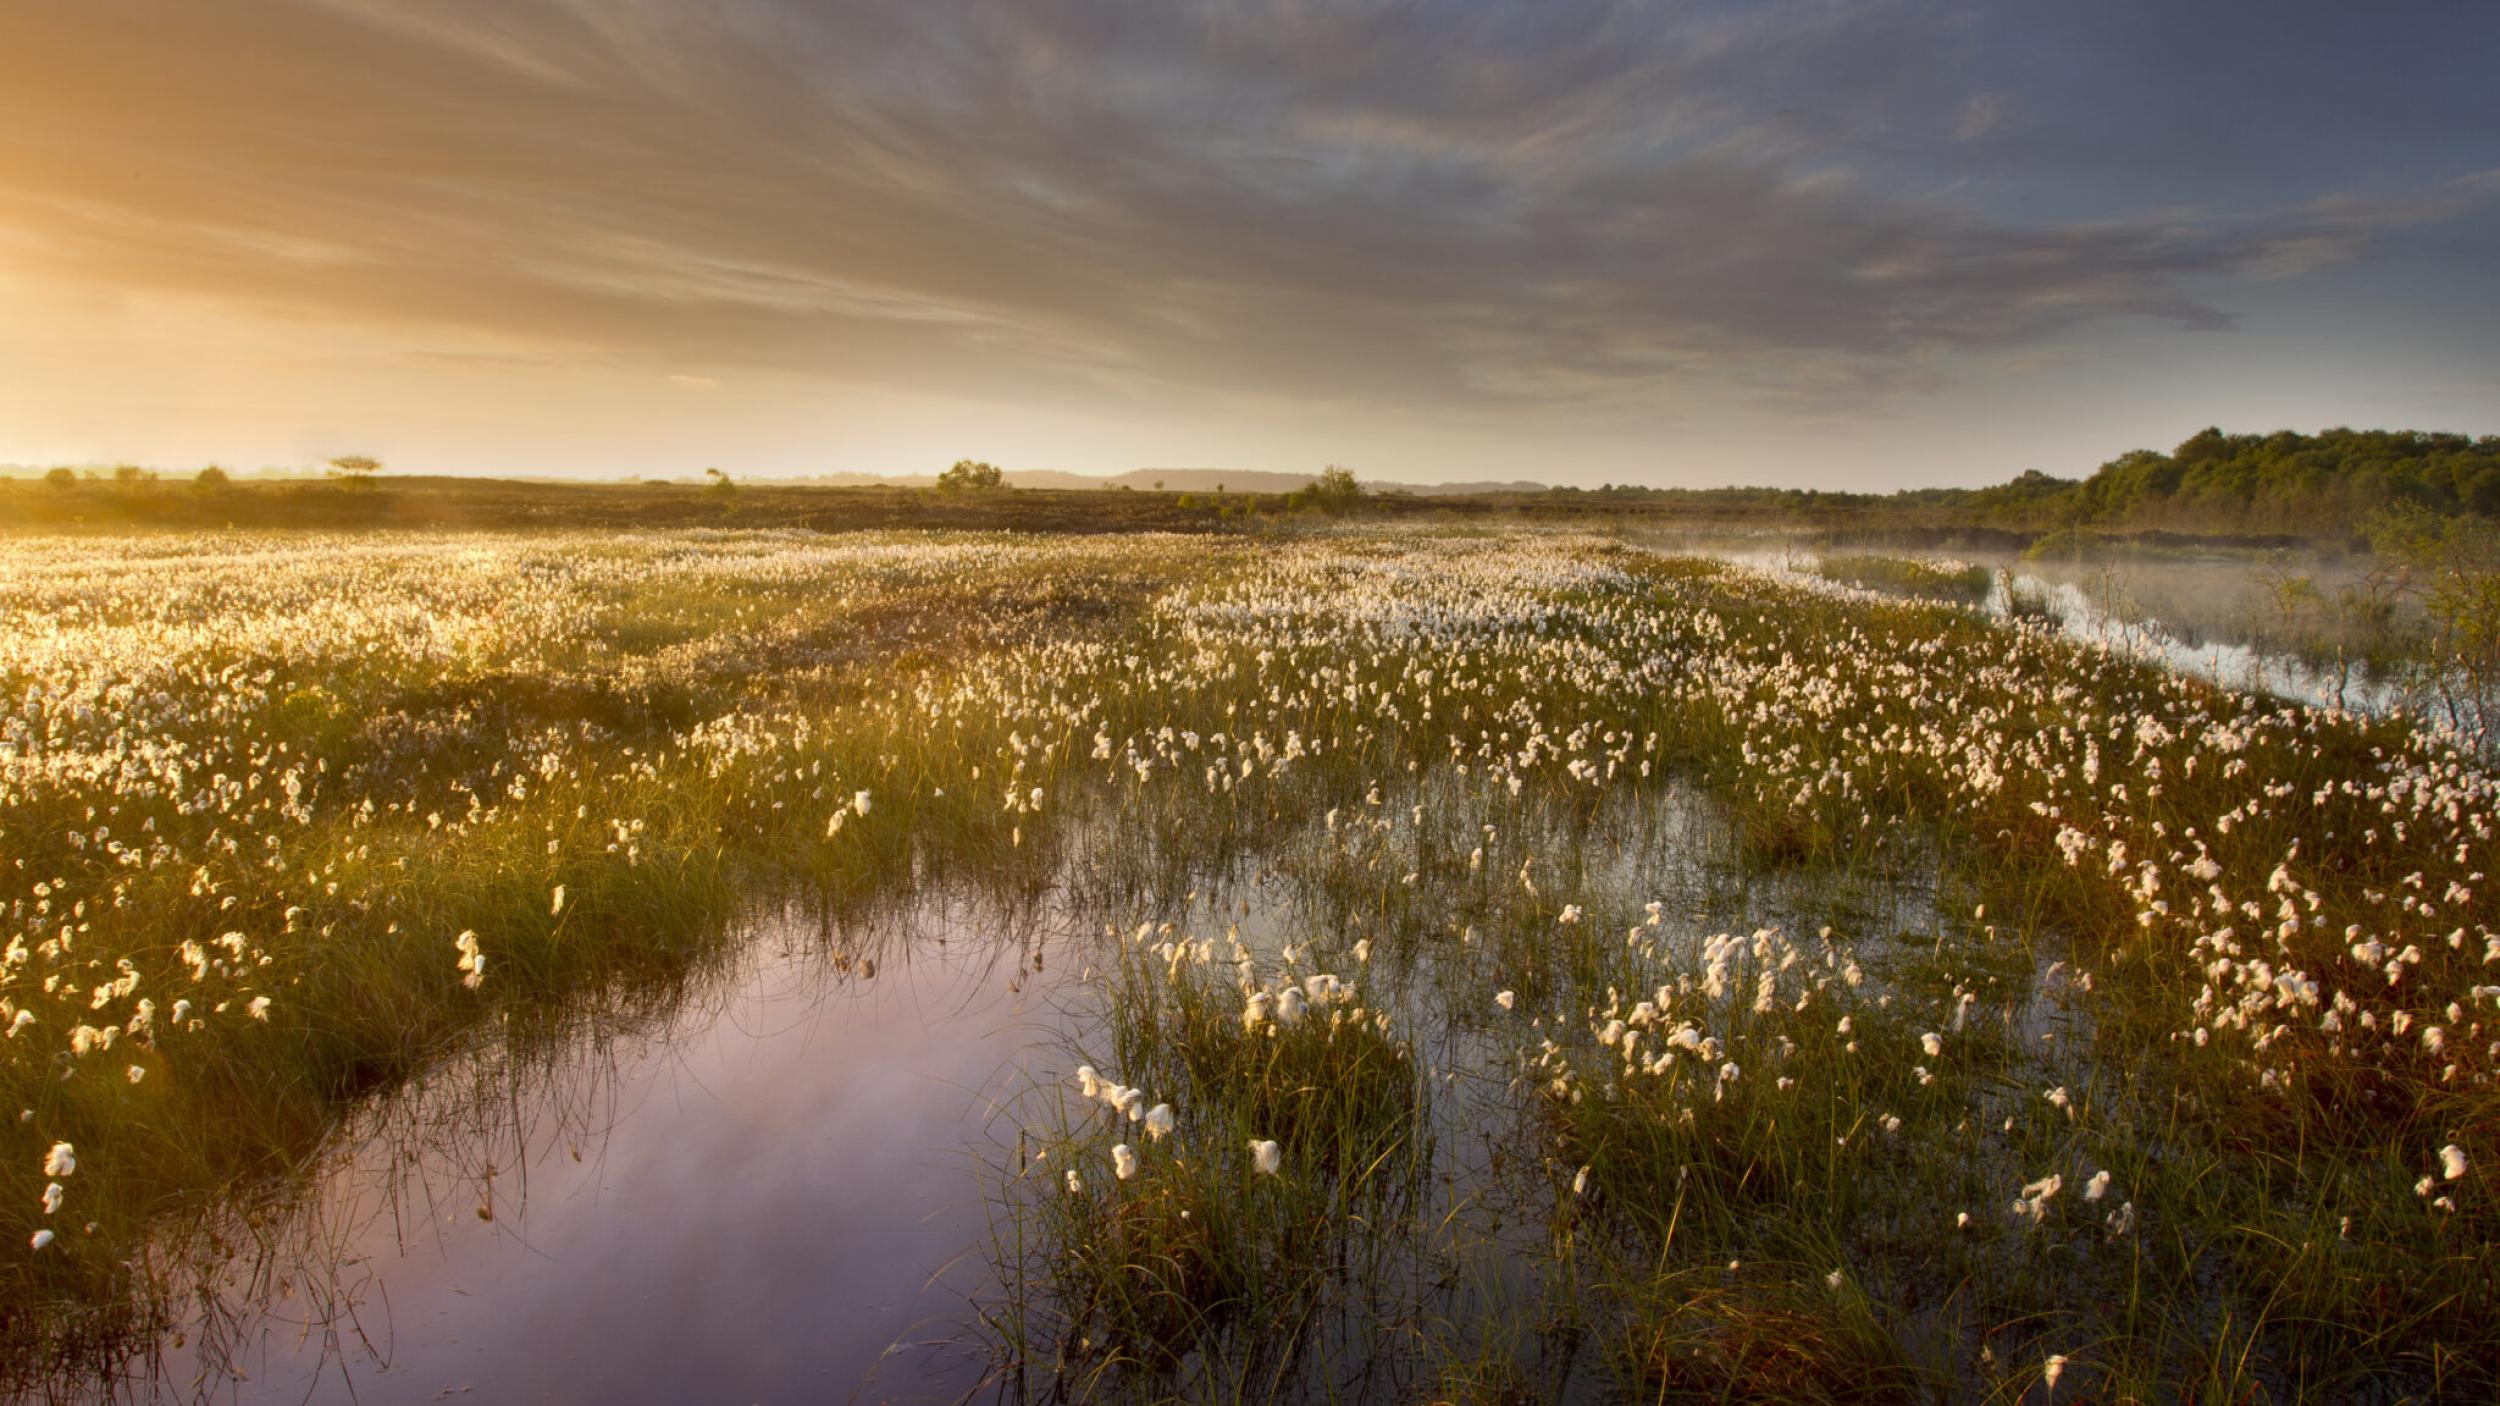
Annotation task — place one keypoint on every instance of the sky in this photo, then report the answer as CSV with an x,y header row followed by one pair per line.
x,y
1863,245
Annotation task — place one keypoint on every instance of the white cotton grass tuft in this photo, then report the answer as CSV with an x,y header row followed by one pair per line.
x,y
61,1160
2032,1205
1580,1183
1932,1043
2052,1369
40,1239
1159,1122
1088,1082
1266,1158
2452,1162
52,1196
1506,999
2097,1187
557,906
1124,1161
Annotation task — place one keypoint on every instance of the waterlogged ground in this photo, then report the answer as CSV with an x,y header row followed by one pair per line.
x,y
781,1180
1369,967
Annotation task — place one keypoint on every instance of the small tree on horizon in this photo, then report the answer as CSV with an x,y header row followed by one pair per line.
x,y
971,476
355,470
211,479
1335,492
63,477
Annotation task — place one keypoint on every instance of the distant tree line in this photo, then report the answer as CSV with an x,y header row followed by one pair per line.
x,y
2281,483
2286,482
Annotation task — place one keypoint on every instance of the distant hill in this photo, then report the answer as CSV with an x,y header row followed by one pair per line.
x,y
1145,480
1208,480
1257,481
1170,480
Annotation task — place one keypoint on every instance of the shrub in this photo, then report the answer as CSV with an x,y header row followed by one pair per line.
x,y
1335,492
971,476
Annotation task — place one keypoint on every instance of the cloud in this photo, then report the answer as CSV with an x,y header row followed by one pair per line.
x,y
1582,207
1979,117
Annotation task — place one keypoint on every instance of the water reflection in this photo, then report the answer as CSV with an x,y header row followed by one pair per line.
x,y
765,1193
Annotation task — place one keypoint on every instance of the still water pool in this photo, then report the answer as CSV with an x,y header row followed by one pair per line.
x,y
771,1192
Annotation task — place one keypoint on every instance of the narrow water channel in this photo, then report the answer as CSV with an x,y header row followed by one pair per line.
x,y
2193,617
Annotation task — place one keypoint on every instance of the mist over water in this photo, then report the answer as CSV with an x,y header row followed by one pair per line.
x,y
2218,617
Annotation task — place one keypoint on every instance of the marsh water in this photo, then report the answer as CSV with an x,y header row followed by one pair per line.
x,y
778,1183
767,1192
2217,616
780,1180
